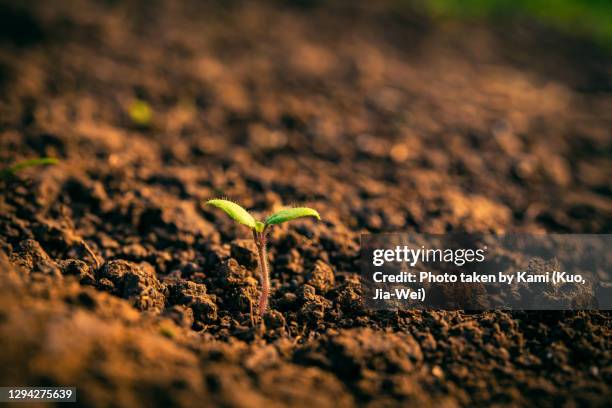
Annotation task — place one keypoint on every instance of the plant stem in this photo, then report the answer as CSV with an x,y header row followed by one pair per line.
x,y
91,253
260,242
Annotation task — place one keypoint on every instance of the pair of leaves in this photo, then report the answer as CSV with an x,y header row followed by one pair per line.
x,y
241,215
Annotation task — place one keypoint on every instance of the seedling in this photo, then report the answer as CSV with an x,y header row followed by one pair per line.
x,y
17,167
259,230
141,113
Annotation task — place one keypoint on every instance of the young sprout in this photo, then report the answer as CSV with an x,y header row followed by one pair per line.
x,y
259,230
140,113
12,170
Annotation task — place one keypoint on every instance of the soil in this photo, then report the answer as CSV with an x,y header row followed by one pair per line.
x,y
382,120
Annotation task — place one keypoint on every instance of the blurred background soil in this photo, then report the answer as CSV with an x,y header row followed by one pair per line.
x,y
384,117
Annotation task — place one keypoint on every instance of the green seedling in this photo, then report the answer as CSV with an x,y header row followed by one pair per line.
x,y
140,113
259,230
17,167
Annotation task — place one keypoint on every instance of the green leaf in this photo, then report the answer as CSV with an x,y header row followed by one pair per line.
x,y
141,113
291,214
28,163
235,211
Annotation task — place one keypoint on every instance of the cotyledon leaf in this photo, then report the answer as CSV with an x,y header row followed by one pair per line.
x,y
29,163
234,211
291,214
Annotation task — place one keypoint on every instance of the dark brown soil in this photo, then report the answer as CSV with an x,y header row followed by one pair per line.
x,y
382,122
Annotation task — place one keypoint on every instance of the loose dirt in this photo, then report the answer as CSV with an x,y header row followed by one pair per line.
x,y
381,121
